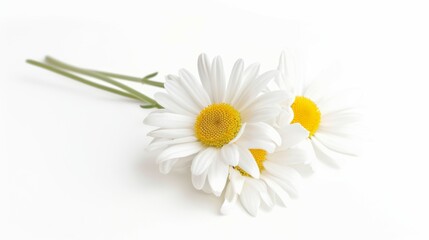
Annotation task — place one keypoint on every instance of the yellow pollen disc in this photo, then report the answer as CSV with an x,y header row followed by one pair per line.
x,y
260,156
306,113
217,124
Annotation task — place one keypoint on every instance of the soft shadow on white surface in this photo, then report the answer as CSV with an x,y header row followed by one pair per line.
x,y
151,181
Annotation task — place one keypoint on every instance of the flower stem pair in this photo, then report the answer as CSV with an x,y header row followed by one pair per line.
x,y
67,70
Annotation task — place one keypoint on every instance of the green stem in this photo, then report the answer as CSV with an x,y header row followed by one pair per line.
x,y
153,83
119,76
80,79
144,80
90,73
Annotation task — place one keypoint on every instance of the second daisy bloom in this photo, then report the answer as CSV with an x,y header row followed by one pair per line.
x,y
279,174
212,123
330,120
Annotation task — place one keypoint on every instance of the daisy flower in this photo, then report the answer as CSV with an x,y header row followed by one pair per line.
x,y
328,118
279,174
211,123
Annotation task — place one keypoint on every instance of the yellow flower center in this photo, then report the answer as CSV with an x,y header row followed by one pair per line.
x,y
217,124
306,113
260,156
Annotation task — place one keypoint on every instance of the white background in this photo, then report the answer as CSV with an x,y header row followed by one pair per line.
x,y
72,158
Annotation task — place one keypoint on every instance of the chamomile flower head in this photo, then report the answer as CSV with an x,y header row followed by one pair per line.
x,y
279,174
326,115
211,122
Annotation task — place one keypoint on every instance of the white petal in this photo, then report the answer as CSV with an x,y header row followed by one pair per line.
x,y
261,188
340,118
229,154
288,72
249,143
338,144
199,180
206,188
218,174
254,88
251,72
203,160
236,180
285,173
261,131
183,164
217,80
267,100
271,132
179,151
161,143
267,199
285,117
226,207
174,105
191,91
171,133
249,76
171,78
204,72
156,144
235,81
352,111
256,184
169,120
320,87
293,156
327,156
248,163
261,115
277,189
275,198
281,171
229,202
305,170
345,130
229,193
292,135
349,98
250,200
239,134
166,166
286,186
179,92
194,88
282,63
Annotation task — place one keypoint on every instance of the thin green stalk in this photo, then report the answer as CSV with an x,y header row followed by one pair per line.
x,y
144,80
80,79
119,76
153,83
90,73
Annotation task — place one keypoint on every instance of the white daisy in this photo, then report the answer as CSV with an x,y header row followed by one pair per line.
x,y
212,123
279,175
328,118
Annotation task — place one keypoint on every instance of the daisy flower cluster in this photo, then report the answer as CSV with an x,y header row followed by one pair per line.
x,y
244,136
242,140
